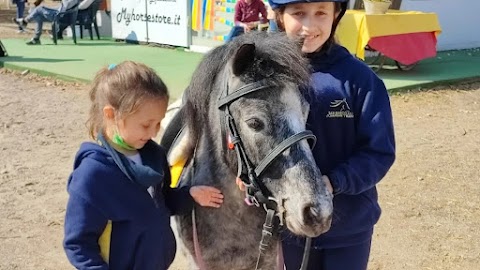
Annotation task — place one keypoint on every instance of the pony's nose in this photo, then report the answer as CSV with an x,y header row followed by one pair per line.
x,y
312,215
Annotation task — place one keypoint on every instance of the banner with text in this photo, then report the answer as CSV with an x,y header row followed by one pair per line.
x,y
127,20
171,22
159,21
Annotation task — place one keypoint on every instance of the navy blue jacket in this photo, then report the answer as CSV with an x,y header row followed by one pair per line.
x,y
111,220
351,116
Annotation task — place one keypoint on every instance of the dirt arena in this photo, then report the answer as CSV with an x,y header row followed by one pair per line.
x,y
430,198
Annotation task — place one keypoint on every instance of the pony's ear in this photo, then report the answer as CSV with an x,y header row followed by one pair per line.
x,y
244,57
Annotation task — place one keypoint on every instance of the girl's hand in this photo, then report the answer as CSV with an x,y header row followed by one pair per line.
x,y
327,183
207,196
240,184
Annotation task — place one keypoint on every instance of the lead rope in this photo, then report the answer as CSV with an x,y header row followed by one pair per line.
x,y
306,253
196,245
267,234
280,261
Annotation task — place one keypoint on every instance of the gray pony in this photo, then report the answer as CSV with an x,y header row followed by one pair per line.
x,y
228,237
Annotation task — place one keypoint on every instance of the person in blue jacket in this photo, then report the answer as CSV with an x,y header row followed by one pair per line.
x,y
351,116
120,200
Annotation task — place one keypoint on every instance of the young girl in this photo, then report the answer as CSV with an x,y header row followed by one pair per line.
x,y
351,116
112,221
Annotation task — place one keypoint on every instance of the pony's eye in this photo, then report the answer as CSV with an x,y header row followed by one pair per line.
x,y
255,124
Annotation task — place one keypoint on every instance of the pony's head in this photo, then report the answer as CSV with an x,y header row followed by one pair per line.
x,y
254,83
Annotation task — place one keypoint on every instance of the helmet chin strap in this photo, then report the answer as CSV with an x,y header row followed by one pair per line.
x,y
343,9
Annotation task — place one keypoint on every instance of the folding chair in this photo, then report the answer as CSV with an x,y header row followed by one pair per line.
x,y
87,19
70,17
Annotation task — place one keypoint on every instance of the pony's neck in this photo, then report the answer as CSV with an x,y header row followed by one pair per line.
x,y
215,171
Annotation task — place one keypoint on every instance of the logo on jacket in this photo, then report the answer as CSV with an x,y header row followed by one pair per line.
x,y
341,109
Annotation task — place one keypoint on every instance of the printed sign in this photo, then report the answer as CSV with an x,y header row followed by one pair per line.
x,y
169,22
160,21
127,20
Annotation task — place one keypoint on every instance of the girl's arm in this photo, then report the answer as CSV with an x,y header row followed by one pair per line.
x,y
84,225
237,17
375,143
263,11
180,200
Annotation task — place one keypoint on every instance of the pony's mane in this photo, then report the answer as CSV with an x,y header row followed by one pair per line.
x,y
277,59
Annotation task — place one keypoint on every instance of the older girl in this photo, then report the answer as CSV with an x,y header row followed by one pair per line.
x,y
351,116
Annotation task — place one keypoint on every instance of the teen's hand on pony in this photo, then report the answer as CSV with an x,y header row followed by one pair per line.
x,y
207,196
325,178
327,183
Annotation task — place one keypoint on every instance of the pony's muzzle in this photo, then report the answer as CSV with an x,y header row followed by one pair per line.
x,y
309,219
316,218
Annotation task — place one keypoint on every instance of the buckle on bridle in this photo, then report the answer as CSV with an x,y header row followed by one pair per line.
x,y
251,200
279,209
232,141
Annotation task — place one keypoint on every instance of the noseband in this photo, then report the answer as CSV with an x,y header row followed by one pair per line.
x,y
257,193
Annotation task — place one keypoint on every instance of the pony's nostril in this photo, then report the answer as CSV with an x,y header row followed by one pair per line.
x,y
311,214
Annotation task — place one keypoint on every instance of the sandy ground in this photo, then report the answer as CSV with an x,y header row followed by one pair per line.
x,y
430,198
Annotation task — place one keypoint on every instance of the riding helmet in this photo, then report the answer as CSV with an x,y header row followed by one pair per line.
x,y
274,4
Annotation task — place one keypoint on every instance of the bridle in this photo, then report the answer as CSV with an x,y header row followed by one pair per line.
x,y
257,193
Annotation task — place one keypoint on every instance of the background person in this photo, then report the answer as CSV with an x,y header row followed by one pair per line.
x,y
42,14
247,17
83,13
20,10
